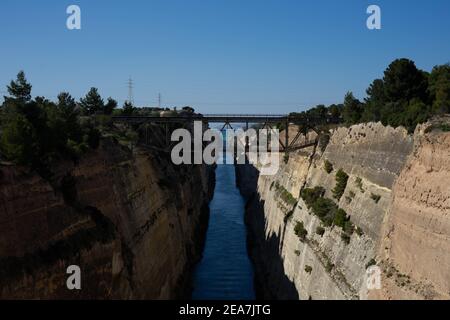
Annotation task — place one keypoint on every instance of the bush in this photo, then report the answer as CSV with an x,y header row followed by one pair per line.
x,y
308,269
340,218
341,184
324,208
320,231
359,231
349,227
300,231
345,237
329,266
372,262
311,195
288,197
285,195
328,166
445,127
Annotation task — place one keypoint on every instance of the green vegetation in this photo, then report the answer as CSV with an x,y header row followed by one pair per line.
x,y
320,231
328,212
38,132
340,218
308,269
311,195
445,127
375,197
359,231
372,262
297,252
345,237
404,96
328,166
341,184
285,195
325,209
329,266
300,231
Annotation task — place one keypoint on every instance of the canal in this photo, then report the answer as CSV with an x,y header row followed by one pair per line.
x,y
225,271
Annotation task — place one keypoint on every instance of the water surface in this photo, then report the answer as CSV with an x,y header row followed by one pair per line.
x,y
225,272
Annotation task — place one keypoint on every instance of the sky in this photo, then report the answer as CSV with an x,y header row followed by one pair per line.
x,y
218,56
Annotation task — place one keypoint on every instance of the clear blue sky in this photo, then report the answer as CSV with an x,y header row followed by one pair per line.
x,y
218,55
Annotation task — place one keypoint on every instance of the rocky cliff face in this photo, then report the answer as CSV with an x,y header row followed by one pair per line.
x,y
415,252
132,221
396,210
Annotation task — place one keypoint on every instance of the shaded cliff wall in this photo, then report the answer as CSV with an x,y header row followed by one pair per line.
x,y
132,221
324,266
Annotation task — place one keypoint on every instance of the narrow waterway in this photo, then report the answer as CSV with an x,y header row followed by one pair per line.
x,y
225,271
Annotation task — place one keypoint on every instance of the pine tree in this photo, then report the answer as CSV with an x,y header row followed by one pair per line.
x,y
92,103
352,109
20,89
109,107
127,109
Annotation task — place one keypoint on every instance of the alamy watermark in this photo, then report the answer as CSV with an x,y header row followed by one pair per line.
x,y
73,22
74,280
374,20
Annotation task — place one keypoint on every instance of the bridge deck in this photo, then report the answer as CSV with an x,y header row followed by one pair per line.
x,y
266,119
218,118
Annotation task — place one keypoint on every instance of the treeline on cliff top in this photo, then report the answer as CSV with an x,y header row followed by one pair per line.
x,y
35,132
405,96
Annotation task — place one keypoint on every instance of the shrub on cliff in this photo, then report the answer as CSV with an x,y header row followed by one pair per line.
x,y
325,210
345,237
341,184
340,218
308,269
311,195
300,230
328,166
320,231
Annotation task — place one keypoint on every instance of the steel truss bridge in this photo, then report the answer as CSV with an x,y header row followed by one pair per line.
x,y
267,121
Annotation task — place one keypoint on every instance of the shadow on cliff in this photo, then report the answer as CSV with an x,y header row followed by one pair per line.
x,y
271,281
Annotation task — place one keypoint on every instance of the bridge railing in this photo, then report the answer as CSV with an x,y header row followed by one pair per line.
x,y
245,115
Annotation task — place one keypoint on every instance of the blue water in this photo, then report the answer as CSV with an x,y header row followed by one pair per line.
x,y
225,272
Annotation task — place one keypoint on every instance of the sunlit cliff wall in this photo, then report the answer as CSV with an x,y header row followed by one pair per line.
x,y
397,196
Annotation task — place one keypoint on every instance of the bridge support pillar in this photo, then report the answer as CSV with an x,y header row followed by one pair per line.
x,y
286,141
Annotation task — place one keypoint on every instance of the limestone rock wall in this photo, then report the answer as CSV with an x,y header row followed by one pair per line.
x,y
132,221
415,252
400,212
